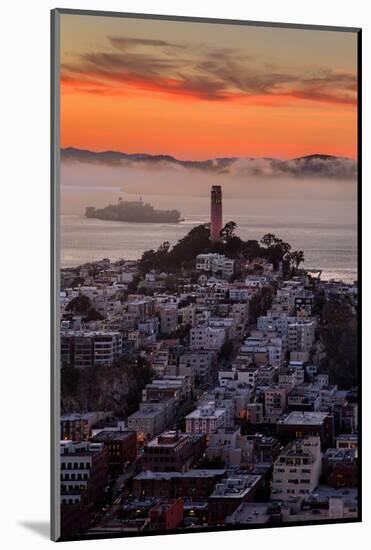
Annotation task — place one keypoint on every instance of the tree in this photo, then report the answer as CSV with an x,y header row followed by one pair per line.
x,y
297,257
276,249
164,247
228,231
260,303
226,350
133,285
79,305
147,261
338,333
93,315
268,240
77,281
70,377
251,249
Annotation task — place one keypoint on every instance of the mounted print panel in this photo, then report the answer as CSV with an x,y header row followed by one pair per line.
x,y
206,190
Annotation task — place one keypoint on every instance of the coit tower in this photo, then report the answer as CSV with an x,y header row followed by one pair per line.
x,y
216,217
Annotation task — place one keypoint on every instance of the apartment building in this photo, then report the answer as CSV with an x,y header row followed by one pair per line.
x,y
206,419
172,451
89,348
204,337
78,426
301,335
297,469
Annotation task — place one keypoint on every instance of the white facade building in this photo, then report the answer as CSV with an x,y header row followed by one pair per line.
x,y
297,469
301,335
205,337
206,419
215,263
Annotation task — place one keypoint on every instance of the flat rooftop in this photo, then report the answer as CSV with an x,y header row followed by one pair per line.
x,y
236,486
82,416
324,492
346,455
347,437
250,513
305,417
171,475
112,435
147,412
168,439
212,413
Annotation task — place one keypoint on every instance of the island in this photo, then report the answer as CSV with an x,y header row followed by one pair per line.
x,y
133,211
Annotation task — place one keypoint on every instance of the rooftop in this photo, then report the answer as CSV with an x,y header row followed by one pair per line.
x,y
112,435
236,486
342,455
146,411
305,417
250,512
170,439
171,475
324,492
82,415
347,437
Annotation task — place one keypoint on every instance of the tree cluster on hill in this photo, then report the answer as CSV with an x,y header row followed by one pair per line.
x,y
338,332
260,303
81,305
117,388
197,241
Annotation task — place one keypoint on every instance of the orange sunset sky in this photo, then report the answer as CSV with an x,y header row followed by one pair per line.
x,y
197,90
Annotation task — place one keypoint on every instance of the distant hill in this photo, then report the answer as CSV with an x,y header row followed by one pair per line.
x,y
315,165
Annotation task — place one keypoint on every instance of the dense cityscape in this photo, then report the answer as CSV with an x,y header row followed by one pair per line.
x,y
209,384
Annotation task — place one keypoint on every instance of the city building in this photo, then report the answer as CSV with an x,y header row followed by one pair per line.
x,y
298,424
201,361
204,337
206,419
166,515
169,319
301,335
89,348
297,469
275,401
229,493
83,478
190,484
347,441
218,264
173,451
121,446
148,421
78,426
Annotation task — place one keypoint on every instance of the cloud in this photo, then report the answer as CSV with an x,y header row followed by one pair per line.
x,y
194,71
125,42
312,166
